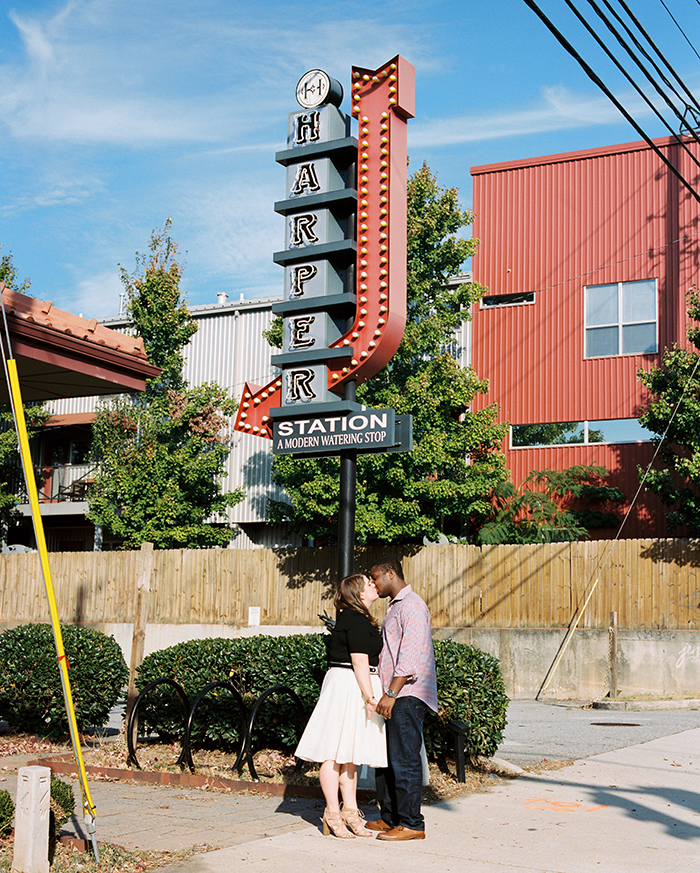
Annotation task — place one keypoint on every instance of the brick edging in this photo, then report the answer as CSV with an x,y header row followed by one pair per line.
x,y
189,780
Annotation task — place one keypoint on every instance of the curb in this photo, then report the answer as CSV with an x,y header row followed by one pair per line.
x,y
191,780
645,705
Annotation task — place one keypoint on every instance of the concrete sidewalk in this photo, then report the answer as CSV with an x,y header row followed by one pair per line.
x,y
628,811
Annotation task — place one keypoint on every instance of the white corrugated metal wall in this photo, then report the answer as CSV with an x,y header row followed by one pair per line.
x,y
229,349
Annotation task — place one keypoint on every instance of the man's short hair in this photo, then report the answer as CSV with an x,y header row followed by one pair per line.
x,y
389,564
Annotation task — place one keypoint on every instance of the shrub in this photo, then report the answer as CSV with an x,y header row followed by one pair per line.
x,y
470,688
252,665
62,805
31,697
7,813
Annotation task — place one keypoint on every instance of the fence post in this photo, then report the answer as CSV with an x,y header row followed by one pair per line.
x,y
612,655
138,640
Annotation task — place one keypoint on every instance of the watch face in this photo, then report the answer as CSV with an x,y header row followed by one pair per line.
x,y
313,88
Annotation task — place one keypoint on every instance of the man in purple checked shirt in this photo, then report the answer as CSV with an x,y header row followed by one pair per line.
x,y
407,671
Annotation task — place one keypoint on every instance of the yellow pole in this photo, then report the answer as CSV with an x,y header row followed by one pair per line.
x,y
23,439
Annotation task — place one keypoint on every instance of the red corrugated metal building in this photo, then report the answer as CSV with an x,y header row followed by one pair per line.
x,y
588,257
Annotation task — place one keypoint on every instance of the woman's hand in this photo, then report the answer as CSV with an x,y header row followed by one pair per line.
x,y
371,705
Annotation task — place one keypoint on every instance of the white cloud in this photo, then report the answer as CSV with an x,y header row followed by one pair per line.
x,y
61,186
561,109
234,231
126,73
94,297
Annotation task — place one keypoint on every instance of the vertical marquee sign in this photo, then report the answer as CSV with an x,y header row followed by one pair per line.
x,y
344,306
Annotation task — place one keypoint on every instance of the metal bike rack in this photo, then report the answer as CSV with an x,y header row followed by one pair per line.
x,y
275,689
186,754
132,721
245,752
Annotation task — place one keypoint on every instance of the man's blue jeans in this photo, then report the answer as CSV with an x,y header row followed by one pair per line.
x,y
400,785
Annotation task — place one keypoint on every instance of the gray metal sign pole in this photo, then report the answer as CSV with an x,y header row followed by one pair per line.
x,y
348,457
348,496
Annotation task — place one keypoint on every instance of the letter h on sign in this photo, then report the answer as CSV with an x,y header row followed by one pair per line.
x,y
319,208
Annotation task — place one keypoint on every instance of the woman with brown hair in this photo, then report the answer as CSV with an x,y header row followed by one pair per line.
x,y
344,729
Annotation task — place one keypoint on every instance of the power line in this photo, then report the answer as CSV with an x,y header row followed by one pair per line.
x,y
599,82
651,42
629,78
650,78
646,252
680,28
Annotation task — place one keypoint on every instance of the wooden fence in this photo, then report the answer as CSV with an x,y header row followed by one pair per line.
x,y
651,584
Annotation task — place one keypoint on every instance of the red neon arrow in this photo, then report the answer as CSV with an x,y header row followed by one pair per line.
x,y
254,409
382,100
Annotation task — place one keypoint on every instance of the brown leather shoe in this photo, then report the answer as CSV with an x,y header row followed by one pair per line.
x,y
378,825
401,833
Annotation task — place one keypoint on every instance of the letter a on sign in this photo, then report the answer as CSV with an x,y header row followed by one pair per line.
x,y
306,180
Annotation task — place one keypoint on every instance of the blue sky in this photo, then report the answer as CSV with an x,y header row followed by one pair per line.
x,y
115,114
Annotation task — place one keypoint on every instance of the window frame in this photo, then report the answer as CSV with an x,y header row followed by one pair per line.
x,y
621,324
586,423
508,300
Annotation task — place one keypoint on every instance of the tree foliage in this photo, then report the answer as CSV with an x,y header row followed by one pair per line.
x,y
11,477
8,274
157,309
443,485
552,506
673,415
160,456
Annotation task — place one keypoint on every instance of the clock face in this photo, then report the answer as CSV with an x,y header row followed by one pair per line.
x,y
313,88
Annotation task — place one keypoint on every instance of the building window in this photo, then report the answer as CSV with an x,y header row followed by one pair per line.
x,y
491,300
621,318
566,433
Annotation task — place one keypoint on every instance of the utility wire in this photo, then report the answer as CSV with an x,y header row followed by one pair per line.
x,y
603,87
652,80
602,563
651,42
680,28
629,78
659,72
645,253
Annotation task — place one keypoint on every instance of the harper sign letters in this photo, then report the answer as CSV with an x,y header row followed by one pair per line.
x,y
344,302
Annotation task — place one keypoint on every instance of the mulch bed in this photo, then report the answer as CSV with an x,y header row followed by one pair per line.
x,y
277,775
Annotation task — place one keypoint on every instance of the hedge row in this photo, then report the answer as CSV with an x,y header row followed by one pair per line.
x,y
470,689
31,696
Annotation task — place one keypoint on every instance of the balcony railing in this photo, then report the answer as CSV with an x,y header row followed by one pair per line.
x,y
62,483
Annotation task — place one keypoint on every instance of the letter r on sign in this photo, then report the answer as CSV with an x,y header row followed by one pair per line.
x,y
299,385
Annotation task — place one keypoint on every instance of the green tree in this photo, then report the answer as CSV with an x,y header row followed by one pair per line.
x,y
552,506
157,309
443,485
673,415
8,274
161,456
12,488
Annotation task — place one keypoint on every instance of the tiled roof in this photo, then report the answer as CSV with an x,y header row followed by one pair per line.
x,y
44,314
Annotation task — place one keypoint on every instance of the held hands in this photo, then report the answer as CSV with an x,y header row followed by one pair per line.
x,y
371,705
385,705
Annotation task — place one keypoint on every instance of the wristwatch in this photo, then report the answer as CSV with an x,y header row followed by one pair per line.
x,y
390,693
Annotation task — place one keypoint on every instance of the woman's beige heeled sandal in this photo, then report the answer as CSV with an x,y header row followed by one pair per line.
x,y
353,818
333,824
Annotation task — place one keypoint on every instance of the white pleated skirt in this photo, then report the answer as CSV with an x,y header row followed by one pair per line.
x,y
339,728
